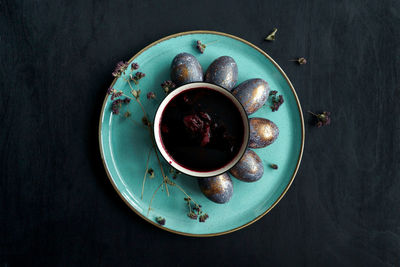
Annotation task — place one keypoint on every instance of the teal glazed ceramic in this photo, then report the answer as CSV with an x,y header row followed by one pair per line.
x,y
124,145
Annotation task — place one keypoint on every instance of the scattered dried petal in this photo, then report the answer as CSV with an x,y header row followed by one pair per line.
x,y
271,36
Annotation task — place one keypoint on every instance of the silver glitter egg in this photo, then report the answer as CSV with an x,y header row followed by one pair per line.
x,y
185,68
249,168
218,189
223,72
252,94
263,132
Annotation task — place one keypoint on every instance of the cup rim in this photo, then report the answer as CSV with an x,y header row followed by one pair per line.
x,y
170,160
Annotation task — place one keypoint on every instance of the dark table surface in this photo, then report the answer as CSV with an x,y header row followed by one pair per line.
x,y
57,207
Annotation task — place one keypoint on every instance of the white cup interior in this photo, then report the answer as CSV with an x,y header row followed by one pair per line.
x,y
170,160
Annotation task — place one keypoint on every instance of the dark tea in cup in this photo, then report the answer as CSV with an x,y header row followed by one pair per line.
x,y
201,129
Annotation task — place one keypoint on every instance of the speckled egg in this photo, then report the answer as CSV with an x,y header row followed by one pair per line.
x,y
249,168
252,94
218,189
223,72
186,69
263,132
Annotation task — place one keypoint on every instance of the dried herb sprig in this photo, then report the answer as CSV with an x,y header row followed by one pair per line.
x,y
116,95
277,101
136,97
135,78
271,36
201,46
195,211
146,172
323,118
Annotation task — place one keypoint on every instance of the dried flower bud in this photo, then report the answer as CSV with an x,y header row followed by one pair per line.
x,y
271,36
160,220
110,90
145,121
151,95
277,101
192,215
302,61
134,66
150,172
135,93
115,106
273,92
115,94
120,68
203,217
168,86
323,118
200,46
274,166
139,75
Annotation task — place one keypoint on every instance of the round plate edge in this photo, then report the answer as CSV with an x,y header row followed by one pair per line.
x,y
298,161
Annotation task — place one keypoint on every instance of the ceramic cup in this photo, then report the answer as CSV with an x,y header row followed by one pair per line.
x,y
170,159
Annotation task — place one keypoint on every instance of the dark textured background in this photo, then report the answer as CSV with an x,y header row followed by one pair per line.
x,y
57,206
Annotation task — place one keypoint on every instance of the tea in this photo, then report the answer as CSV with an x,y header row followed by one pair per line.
x,y
202,129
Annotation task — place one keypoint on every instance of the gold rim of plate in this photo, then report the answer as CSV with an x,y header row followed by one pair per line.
x,y
298,161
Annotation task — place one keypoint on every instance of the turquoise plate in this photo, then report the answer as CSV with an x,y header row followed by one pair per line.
x,y
124,145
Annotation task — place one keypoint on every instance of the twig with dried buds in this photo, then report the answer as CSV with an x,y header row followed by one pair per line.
x,y
116,106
